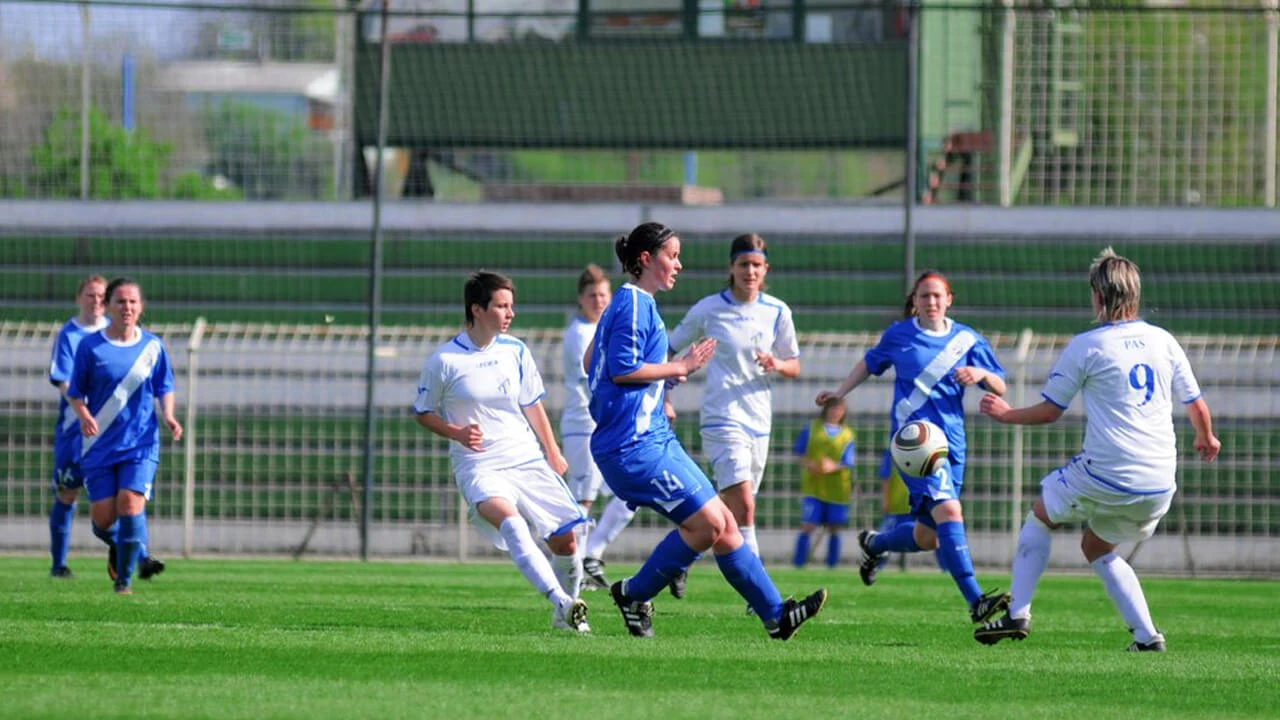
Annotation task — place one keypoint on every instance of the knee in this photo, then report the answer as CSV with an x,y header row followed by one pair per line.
x,y
565,543
926,538
68,496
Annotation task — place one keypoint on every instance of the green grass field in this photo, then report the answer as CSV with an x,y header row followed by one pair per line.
x,y
265,639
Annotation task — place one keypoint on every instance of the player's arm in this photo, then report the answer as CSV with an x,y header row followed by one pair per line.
x,y
88,426
986,379
170,420
536,414
789,368
469,436
856,377
1206,443
1041,413
679,369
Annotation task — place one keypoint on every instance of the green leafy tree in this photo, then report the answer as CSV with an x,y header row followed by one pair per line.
x,y
122,165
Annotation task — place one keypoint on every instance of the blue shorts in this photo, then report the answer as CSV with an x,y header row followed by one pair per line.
x,y
66,467
817,512
106,481
926,492
661,476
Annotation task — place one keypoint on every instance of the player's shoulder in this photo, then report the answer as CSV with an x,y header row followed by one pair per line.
x,y
511,344
775,302
901,328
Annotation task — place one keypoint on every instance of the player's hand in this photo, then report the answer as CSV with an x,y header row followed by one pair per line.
x,y
825,397
970,375
994,406
174,427
557,462
669,410
826,466
766,361
88,427
698,356
1208,446
471,437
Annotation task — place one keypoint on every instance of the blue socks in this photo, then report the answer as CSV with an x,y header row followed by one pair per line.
x,y
900,539
744,571
670,558
802,550
60,520
833,550
108,535
133,531
953,549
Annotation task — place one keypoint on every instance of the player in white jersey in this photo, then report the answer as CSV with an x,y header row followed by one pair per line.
x,y
119,376
67,478
576,426
482,391
755,340
1129,374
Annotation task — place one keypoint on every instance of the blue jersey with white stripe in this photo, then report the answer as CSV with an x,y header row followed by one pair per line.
x,y
629,335
120,382
924,387
66,431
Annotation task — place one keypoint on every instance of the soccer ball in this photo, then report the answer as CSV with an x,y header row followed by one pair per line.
x,y
918,448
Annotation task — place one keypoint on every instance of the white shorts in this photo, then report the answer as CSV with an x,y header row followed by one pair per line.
x,y
736,456
1070,495
534,488
585,480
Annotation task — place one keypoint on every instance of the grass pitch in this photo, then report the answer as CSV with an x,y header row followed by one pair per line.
x,y
267,639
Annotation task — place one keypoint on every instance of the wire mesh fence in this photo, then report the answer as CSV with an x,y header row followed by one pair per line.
x,y
274,449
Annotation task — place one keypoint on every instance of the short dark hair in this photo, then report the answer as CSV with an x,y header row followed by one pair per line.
x,y
480,288
117,283
646,237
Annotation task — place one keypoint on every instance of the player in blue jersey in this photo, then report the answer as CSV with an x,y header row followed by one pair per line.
x,y
934,359
640,458
67,480
119,375
482,391
1128,374
576,427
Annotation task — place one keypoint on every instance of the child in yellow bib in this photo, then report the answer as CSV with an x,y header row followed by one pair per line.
x,y
825,448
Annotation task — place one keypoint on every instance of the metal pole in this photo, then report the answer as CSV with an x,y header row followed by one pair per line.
x,y
1273,105
86,41
1006,103
1017,468
913,142
189,440
375,292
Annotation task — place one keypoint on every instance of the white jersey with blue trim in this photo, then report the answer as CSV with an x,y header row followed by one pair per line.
x,y
630,334
738,392
488,386
120,382
576,417
66,433
1129,374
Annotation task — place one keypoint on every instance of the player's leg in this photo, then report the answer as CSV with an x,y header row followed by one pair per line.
x,y
810,516
554,514
1108,526
615,518
836,517
135,479
66,490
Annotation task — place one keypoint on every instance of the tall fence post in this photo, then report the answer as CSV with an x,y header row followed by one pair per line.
x,y
1273,103
911,189
1017,467
375,292
1005,139
86,104
189,439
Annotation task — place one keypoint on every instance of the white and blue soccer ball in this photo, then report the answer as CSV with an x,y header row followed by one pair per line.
x,y
919,448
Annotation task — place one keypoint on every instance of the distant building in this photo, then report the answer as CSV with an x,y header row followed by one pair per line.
x,y
301,90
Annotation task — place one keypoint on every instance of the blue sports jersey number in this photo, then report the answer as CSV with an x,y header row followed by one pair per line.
x,y
668,484
1143,379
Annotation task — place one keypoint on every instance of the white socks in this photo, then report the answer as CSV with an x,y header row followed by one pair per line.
x,y
568,570
1029,563
1126,592
749,537
529,559
613,521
